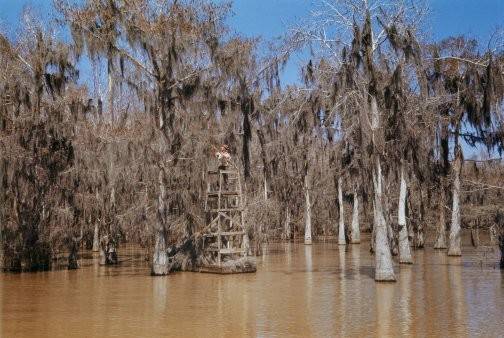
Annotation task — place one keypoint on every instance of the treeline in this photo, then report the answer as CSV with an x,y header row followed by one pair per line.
x,y
370,140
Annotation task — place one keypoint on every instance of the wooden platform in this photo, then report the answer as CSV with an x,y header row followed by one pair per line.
x,y
222,270
225,233
244,265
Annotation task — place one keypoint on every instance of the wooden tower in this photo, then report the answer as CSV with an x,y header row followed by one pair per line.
x,y
225,233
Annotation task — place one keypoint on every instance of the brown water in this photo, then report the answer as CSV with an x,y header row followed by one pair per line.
x,y
319,290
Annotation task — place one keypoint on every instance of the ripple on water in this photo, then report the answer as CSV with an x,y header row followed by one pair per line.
x,y
318,290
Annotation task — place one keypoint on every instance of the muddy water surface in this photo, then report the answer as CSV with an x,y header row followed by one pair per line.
x,y
319,290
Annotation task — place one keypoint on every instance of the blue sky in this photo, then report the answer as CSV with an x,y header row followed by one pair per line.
x,y
270,18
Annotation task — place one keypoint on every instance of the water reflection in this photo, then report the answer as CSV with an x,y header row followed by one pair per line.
x,y
159,293
309,286
456,289
288,255
358,300
343,290
317,290
355,250
405,299
308,259
384,298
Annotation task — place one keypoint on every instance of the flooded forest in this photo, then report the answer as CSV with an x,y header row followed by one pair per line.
x,y
159,178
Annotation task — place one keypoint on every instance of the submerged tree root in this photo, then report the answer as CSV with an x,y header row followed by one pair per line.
x,y
189,255
240,265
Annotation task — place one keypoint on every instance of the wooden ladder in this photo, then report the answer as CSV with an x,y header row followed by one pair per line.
x,y
225,206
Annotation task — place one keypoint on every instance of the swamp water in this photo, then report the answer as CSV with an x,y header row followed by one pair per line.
x,y
319,290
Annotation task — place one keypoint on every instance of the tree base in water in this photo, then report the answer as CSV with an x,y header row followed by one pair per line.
x,y
455,252
384,277
72,263
242,265
501,247
160,270
189,255
441,242
109,258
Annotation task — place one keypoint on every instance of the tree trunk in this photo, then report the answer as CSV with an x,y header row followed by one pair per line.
x,y
96,233
246,244
111,94
246,239
72,257
501,246
1,246
3,195
420,240
74,250
494,238
96,238
499,232
108,251
265,188
441,230
475,238
103,255
392,233
373,229
475,241
287,230
454,244
308,229
160,262
384,270
419,234
341,229
1,243
160,265
355,219
96,80
404,245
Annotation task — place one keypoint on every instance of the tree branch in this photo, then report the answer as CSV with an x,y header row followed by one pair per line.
x,y
462,60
